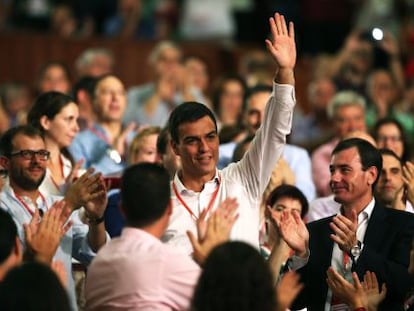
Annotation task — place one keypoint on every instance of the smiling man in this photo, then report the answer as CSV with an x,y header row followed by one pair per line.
x,y
103,145
363,236
199,185
24,155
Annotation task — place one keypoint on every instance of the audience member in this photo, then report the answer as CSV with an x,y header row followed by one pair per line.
x,y
82,92
296,157
347,110
53,76
56,115
391,190
131,21
235,277
389,134
168,158
11,250
94,62
364,236
151,104
327,206
33,286
194,138
25,158
313,129
228,100
104,145
141,272
143,148
383,93
15,99
196,68
282,198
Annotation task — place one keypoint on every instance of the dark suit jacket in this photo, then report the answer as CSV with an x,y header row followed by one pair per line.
x,y
386,252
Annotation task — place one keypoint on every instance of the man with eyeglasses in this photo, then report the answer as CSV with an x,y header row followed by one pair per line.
x,y
24,156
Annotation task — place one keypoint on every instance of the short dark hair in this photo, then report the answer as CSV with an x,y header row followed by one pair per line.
x,y
388,152
288,191
145,193
187,112
6,141
8,234
235,277
369,155
86,83
163,140
259,88
33,286
47,104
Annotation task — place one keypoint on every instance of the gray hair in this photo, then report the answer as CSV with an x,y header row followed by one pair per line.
x,y
87,56
345,98
159,48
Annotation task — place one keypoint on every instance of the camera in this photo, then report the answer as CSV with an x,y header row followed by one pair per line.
x,y
374,35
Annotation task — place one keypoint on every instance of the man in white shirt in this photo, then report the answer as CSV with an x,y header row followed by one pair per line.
x,y
199,184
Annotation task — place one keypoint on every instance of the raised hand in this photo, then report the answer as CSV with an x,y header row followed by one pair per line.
x,y
344,231
85,189
120,143
357,295
282,47
373,294
215,230
293,230
408,178
43,239
96,205
351,294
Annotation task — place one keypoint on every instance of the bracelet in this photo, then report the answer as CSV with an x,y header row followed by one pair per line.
x,y
95,221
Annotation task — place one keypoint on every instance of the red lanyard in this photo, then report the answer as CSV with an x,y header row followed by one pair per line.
x,y
209,206
26,207
100,134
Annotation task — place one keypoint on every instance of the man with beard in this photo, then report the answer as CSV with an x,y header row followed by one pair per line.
x,y
25,158
363,236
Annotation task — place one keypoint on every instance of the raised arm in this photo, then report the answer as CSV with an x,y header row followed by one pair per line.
x,y
282,48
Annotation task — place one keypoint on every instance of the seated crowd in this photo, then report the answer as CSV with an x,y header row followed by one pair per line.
x,y
171,199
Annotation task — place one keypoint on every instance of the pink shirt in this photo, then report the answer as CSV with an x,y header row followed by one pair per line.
x,y
138,272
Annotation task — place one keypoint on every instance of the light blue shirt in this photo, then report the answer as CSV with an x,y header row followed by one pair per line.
x,y
296,157
73,244
139,95
95,151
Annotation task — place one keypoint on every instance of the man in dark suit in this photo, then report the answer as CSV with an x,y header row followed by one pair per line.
x,y
364,236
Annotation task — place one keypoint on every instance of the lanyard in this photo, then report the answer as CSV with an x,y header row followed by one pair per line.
x,y
99,134
209,206
112,153
26,207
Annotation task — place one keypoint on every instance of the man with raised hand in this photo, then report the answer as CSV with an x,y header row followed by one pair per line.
x,y
199,184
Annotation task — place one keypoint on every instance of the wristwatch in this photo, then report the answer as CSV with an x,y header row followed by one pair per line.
x,y
356,250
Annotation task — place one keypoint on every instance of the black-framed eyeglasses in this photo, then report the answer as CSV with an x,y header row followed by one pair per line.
x,y
41,154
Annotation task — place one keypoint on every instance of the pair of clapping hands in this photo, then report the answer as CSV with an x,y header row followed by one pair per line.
x,y
43,235
366,295
213,230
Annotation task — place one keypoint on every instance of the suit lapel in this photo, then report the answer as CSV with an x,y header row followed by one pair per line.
x,y
376,227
